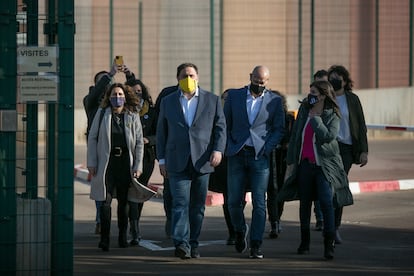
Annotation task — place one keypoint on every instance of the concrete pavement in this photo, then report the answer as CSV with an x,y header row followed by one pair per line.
x,y
377,231
390,168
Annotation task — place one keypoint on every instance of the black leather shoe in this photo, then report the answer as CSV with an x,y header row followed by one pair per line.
x,y
328,248
319,225
241,240
303,249
194,253
134,242
122,242
231,240
273,234
182,253
104,244
256,253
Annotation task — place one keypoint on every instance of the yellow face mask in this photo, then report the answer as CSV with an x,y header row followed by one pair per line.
x,y
188,85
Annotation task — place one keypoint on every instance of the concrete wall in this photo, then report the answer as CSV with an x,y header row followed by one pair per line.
x,y
391,106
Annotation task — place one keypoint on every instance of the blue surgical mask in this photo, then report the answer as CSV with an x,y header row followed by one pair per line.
x,y
117,101
312,100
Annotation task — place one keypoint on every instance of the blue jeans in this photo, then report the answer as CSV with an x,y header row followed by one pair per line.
x,y
98,205
314,185
242,167
317,210
166,195
189,191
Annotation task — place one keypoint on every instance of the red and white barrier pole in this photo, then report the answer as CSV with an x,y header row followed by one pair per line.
x,y
391,127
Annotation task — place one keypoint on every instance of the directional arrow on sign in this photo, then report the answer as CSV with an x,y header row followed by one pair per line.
x,y
45,64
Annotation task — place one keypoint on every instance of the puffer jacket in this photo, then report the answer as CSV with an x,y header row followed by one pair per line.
x,y
326,129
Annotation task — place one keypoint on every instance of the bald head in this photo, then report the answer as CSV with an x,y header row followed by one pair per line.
x,y
261,71
260,75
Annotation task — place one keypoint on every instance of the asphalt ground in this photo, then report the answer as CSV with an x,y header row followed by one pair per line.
x,y
378,233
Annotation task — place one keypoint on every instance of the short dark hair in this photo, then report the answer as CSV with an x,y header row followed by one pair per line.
x,y
342,71
320,74
185,65
95,79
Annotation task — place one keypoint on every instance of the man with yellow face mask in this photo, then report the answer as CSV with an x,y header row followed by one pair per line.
x,y
191,137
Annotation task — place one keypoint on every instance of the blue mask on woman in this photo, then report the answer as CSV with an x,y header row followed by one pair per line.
x,y
312,100
117,101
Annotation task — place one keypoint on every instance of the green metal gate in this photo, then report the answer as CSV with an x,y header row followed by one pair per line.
x,y
36,139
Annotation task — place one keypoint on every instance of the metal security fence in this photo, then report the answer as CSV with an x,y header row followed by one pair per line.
x,y
36,137
372,38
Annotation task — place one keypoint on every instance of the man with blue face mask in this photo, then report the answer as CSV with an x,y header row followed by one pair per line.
x,y
191,137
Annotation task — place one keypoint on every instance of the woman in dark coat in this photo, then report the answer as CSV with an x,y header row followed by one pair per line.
x,y
315,169
148,118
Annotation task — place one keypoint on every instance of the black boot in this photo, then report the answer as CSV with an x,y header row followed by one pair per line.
x,y
122,235
273,230
122,238
134,226
329,244
305,241
105,227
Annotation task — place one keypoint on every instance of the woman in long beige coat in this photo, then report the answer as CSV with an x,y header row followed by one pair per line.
x,y
114,156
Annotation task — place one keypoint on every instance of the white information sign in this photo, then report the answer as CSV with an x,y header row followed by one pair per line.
x,y
37,59
38,88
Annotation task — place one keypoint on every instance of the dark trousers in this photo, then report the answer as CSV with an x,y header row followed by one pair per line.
x,y
347,160
118,179
313,184
276,178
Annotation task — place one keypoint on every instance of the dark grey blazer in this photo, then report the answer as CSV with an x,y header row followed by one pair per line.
x,y
177,142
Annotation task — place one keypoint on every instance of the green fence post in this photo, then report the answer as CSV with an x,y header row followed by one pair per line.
x,y
8,11
63,230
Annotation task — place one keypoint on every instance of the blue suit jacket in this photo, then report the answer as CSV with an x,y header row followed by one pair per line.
x,y
266,131
177,142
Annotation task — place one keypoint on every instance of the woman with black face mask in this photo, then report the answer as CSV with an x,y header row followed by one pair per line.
x,y
352,137
314,166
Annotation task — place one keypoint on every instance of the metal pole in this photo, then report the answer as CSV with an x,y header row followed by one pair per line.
x,y
212,52
63,261
410,76
221,47
111,31
376,43
312,50
300,46
8,51
32,109
51,140
140,40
